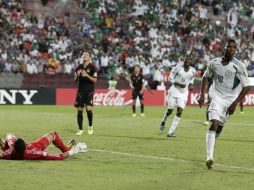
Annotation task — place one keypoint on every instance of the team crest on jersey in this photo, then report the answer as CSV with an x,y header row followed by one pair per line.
x,y
88,70
229,74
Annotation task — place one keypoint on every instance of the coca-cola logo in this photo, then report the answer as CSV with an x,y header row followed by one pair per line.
x,y
110,98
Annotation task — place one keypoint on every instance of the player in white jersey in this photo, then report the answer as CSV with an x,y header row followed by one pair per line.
x,y
230,85
181,78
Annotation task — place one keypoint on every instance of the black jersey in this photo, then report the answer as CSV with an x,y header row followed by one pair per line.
x,y
137,81
83,82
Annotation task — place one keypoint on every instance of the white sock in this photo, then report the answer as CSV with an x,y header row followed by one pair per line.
x,y
174,124
210,142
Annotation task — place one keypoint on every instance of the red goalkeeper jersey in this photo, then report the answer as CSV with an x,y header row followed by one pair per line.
x,y
34,155
35,151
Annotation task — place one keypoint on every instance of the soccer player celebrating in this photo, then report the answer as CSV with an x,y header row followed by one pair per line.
x,y
85,76
16,149
181,78
230,85
137,85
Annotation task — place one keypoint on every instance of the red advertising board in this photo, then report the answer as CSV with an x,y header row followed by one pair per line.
x,y
104,97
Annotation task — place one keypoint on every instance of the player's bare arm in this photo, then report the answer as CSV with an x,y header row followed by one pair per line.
x,y
142,89
190,87
232,107
130,81
1,144
1,153
204,85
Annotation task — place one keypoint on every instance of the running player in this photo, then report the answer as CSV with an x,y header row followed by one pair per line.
x,y
181,78
230,85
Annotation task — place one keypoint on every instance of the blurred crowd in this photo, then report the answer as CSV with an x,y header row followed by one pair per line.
x,y
121,34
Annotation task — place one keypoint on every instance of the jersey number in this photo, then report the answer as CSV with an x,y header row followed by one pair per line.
x,y
220,79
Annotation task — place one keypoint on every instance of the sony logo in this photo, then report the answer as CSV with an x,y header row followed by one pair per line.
x,y
11,96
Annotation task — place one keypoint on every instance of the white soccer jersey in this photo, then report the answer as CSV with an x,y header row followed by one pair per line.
x,y
229,79
179,75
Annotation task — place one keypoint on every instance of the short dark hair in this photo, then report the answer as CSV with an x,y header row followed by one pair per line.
x,y
19,149
231,41
87,51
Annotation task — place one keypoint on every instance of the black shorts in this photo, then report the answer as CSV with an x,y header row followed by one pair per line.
x,y
84,98
136,94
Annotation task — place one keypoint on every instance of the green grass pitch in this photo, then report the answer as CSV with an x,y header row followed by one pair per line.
x,y
130,153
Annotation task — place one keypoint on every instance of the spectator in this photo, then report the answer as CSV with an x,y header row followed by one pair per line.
x,y
15,68
163,30
67,67
104,64
112,83
2,66
31,68
7,67
157,78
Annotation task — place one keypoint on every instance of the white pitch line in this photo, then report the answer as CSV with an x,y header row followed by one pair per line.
x,y
170,159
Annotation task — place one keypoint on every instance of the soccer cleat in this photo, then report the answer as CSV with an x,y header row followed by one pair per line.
x,y
72,143
90,130
171,135
80,132
206,123
241,112
162,126
209,164
142,115
134,115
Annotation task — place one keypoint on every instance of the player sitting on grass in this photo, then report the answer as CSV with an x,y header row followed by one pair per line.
x,y
17,149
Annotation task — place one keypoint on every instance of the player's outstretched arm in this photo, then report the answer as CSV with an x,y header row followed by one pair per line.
x,y
1,144
232,107
80,147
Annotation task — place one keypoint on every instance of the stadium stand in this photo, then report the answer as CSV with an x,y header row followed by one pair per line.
x,y
121,34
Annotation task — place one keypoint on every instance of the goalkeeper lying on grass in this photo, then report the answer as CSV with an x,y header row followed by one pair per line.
x,y
17,149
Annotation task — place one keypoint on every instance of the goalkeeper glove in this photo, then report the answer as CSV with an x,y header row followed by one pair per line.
x,y
80,147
